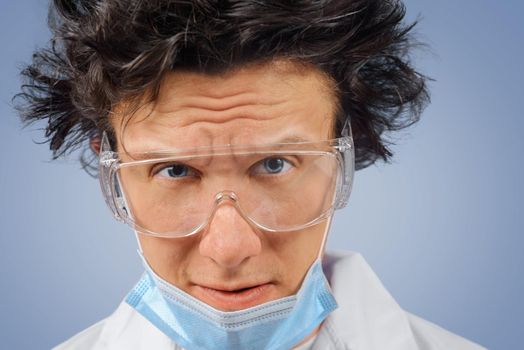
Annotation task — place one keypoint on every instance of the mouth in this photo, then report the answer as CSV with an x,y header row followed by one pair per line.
x,y
228,299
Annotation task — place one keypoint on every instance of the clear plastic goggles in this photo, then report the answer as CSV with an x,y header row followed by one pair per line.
x,y
275,187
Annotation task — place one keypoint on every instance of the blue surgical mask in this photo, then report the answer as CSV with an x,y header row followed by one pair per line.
x,y
194,325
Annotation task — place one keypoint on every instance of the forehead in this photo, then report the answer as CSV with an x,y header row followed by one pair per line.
x,y
263,103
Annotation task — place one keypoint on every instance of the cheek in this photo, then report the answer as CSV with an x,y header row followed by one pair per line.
x,y
168,257
296,252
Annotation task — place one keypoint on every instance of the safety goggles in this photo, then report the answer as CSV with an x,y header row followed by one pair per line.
x,y
275,187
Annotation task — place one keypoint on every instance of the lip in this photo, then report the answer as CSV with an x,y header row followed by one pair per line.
x,y
234,299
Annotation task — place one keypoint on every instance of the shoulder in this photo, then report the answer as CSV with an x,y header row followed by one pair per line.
x,y
124,329
368,316
431,336
86,339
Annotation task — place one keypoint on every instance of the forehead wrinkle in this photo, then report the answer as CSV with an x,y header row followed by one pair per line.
x,y
190,113
212,103
219,118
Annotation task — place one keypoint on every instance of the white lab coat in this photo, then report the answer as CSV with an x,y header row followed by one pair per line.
x,y
368,318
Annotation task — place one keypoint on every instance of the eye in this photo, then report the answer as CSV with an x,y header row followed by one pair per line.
x,y
273,165
175,171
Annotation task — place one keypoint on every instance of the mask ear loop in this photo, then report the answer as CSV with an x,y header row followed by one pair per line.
x,y
322,247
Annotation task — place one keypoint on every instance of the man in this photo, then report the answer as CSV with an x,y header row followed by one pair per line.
x,y
226,133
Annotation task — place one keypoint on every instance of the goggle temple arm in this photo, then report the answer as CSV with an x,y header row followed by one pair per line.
x,y
105,145
346,129
347,152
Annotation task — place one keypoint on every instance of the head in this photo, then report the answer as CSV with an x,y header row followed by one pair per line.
x,y
183,74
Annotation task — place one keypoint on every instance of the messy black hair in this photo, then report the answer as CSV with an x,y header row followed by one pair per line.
x,y
106,51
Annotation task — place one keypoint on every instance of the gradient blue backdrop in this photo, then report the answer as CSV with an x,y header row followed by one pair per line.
x,y
442,225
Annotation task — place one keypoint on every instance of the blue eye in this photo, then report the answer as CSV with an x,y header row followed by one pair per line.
x,y
272,165
176,171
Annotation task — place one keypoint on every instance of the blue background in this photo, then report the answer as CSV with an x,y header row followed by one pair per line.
x,y
442,225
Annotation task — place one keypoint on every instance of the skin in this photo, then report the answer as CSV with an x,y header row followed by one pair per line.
x,y
260,103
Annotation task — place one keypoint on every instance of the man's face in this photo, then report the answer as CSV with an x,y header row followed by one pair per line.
x,y
230,264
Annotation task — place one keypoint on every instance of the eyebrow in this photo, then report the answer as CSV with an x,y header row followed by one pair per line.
x,y
293,139
159,152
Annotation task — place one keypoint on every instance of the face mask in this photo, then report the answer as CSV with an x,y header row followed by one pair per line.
x,y
194,325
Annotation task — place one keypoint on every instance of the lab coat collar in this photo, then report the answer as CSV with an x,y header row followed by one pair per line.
x,y
368,317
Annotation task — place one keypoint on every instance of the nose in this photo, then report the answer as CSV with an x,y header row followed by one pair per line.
x,y
229,239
